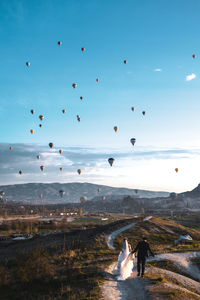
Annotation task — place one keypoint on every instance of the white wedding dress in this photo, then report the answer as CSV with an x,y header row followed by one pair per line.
x,y
125,262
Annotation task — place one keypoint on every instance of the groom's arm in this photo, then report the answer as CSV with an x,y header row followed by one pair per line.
x,y
136,249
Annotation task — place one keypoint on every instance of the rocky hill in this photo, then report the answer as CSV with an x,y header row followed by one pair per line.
x,y
71,192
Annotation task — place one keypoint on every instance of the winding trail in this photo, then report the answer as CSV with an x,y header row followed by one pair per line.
x,y
129,289
183,261
138,288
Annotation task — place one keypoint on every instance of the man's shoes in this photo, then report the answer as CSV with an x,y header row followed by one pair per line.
x,y
138,274
142,275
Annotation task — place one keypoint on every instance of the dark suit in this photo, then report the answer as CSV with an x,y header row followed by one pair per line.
x,y
143,250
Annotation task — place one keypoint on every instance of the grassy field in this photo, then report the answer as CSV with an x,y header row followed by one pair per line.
x,y
58,266
161,234
71,265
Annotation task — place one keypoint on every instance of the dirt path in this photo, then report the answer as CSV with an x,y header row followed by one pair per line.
x,y
188,284
183,261
129,289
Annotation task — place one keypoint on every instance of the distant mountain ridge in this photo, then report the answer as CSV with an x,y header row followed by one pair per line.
x,y
30,192
195,193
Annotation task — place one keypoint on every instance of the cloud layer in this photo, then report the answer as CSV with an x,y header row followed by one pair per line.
x,y
146,167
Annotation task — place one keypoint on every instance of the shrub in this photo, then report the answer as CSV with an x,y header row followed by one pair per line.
x,y
34,266
4,276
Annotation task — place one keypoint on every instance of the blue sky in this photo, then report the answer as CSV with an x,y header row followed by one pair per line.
x,y
157,38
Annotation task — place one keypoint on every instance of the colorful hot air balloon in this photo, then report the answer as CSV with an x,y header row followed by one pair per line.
x,y
79,171
31,131
144,112
111,161
59,43
40,196
32,111
42,168
51,145
176,169
63,111
74,85
103,198
132,108
41,117
2,193
60,151
10,148
83,199
97,80
61,193
125,61
78,118
133,140
38,157
20,172
40,125
81,97
28,64
194,55
115,128
82,49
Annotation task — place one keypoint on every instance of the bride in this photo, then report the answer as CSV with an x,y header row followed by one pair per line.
x,y
125,261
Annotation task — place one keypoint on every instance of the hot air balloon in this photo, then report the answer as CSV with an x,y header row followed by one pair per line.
x,y
132,108
28,64
98,190
133,140
42,168
82,49
111,161
83,199
2,193
31,131
194,55
103,198
38,157
61,193
63,111
40,125
81,97
79,171
97,80
41,117
61,169
60,151
144,112
115,128
20,172
176,169
125,61
78,118
40,196
74,85
10,148
59,43
32,111
51,145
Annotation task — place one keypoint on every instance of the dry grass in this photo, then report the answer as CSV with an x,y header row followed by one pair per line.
x,y
161,234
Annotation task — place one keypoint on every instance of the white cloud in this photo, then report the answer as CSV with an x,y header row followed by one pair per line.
x,y
190,77
149,168
158,70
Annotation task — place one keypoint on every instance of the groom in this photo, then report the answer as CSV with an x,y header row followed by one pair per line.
x,y
142,248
